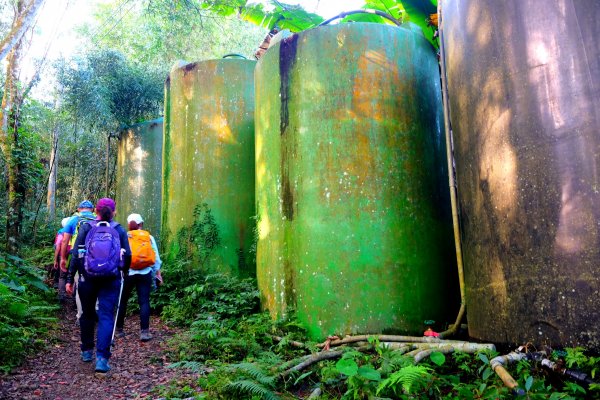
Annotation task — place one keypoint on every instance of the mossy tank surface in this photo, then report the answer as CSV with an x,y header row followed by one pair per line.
x,y
524,99
209,157
139,174
352,192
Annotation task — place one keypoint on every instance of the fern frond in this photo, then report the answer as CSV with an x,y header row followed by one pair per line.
x,y
191,365
406,378
393,361
268,358
251,388
256,373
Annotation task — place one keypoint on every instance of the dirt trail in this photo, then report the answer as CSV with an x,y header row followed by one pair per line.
x,y
59,373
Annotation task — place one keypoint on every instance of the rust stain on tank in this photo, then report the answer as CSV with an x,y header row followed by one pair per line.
x,y
189,67
287,58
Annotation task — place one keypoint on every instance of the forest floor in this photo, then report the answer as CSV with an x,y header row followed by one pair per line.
x,y
58,372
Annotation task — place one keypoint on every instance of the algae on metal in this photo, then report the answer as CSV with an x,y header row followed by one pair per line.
x,y
209,154
139,174
354,224
525,113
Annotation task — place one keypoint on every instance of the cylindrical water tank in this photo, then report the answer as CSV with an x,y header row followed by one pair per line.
x,y
209,156
139,174
524,100
352,191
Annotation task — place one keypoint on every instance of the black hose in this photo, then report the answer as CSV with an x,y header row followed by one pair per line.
x,y
376,12
235,55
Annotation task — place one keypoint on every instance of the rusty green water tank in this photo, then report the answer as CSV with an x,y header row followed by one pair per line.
x,y
209,155
139,174
352,193
525,112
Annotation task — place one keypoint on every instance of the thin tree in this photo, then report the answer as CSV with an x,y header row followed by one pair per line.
x,y
12,100
51,197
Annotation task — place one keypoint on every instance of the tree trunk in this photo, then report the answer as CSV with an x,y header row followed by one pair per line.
x,y
51,198
107,163
9,141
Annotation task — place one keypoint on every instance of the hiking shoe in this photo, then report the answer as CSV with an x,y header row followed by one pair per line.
x,y
119,333
145,335
102,365
87,355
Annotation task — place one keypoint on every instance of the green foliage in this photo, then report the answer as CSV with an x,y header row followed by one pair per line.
x,y
218,296
406,380
26,315
161,32
437,358
251,380
251,388
107,92
347,367
197,242
418,13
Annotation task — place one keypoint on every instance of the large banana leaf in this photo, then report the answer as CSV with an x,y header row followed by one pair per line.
x,y
296,19
418,12
284,16
391,7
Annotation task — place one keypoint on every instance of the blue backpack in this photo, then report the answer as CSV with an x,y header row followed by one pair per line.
x,y
103,250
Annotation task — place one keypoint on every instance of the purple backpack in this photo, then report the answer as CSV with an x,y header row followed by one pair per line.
x,y
103,250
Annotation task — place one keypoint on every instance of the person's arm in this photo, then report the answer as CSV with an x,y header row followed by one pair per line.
x,y
63,250
75,260
67,234
158,262
57,249
127,252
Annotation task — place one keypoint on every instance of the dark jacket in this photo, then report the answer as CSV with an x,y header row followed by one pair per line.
x,y
76,263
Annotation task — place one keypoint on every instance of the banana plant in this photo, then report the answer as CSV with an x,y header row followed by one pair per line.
x,y
293,17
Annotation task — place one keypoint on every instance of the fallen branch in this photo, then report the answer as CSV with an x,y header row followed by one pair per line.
x,y
386,338
382,338
310,360
290,342
465,347
426,352
315,394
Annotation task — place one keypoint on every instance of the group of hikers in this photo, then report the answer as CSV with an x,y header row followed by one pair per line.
x,y
100,263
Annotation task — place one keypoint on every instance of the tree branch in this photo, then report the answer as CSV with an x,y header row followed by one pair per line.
x,y
311,359
22,23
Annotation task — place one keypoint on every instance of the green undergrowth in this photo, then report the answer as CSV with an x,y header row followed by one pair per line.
x,y
28,309
239,352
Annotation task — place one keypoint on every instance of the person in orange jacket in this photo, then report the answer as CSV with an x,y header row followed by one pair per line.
x,y
145,264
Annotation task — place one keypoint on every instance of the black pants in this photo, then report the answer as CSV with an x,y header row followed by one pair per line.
x,y
143,286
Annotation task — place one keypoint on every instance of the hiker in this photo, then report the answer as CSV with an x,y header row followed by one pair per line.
x,y
101,255
145,266
84,213
57,249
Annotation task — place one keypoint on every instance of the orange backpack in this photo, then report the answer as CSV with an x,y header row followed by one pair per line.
x,y
142,255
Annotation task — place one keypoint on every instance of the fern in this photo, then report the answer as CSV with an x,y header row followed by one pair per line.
x,y
269,358
406,378
393,360
251,388
255,372
193,366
